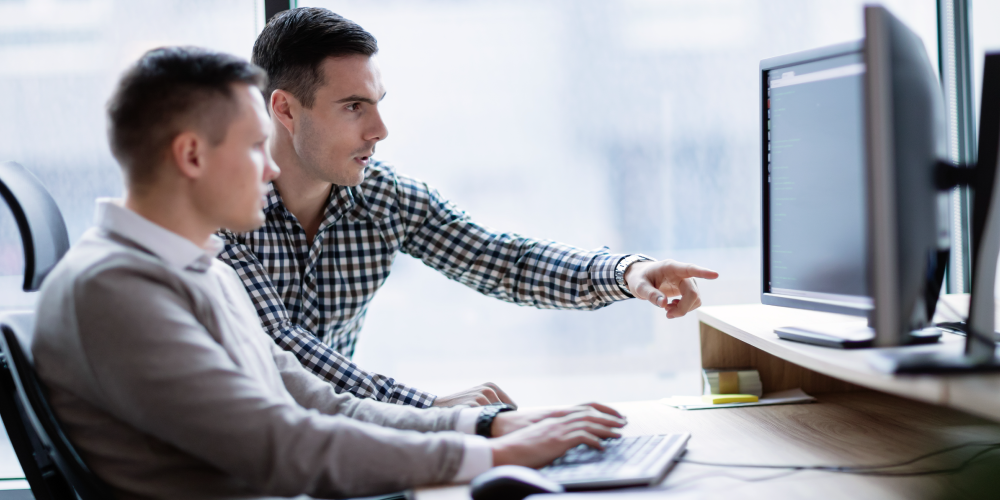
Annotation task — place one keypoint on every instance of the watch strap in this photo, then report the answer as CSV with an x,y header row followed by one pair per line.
x,y
622,267
484,422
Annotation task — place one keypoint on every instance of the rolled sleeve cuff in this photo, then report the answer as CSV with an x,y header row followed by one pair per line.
x,y
602,273
466,423
403,395
477,459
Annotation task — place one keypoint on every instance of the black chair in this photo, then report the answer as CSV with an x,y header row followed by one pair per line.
x,y
50,463
43,231
43,477
17,329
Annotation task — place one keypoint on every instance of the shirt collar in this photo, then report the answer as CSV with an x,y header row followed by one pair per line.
x,y
341,201
273,200
112,216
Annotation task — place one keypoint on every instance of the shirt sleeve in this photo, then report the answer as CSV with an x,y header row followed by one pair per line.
x,y
315,356
507,266
180,386
477,459
466,423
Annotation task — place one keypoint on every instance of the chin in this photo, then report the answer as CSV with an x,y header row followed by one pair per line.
x,y
247,224
351,176
360,177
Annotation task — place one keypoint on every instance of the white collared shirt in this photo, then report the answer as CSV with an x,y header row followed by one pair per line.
x,y
112,215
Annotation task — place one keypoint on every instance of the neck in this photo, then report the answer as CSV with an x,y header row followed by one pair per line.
x,y
171,210
303,194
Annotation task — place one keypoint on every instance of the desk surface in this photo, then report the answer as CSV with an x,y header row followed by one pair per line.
x,y
755,324
858,428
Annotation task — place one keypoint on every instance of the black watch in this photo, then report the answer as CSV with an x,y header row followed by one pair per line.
x,y
484,422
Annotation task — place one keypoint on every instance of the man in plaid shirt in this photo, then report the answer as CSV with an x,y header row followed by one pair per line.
x,y
335,220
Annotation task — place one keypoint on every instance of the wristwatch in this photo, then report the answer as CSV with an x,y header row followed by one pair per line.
x,y
623,266
484,422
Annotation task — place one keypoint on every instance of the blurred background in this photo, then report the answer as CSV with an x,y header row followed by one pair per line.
x,y
626,123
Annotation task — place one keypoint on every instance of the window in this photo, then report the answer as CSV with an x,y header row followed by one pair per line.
x,y
59,61
627,123
632,124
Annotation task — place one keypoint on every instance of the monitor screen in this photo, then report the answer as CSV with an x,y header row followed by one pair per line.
x,y
815,190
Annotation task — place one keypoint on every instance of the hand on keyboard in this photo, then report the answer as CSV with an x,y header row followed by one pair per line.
x,y
508,422
540,443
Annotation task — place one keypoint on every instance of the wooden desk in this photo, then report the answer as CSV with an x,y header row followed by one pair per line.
x,y
851,425
743,336
853,428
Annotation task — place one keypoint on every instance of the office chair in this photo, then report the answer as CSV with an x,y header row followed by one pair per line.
x,y
44,478
43,231
48,459
55,449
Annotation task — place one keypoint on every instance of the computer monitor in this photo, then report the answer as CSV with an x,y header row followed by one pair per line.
x,y
980,345
905,136
813,180
832,240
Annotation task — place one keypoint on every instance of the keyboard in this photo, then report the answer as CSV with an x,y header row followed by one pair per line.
x,y
626,461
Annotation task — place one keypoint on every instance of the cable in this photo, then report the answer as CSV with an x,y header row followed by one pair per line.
x,y
690,480
869,470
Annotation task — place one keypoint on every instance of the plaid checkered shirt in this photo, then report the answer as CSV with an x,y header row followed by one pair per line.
x,y
312,298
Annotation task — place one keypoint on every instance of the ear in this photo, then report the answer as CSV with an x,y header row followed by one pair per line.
x,y
187,154
285,108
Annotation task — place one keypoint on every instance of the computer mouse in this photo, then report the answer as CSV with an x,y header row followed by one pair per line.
x,y
511,482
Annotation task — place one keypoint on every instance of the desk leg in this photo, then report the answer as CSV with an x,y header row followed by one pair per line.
x,y
719,350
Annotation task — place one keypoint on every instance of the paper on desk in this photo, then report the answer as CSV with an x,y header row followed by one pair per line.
x,y
790,396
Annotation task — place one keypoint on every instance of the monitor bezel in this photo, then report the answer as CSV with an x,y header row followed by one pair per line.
x,y
766,296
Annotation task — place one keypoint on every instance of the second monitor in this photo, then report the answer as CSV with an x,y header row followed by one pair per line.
x,y
852,134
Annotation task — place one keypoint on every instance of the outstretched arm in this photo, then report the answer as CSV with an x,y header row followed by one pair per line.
x,y
507,266
532,272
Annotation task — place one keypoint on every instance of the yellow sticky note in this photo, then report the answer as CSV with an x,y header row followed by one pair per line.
x,y
718,399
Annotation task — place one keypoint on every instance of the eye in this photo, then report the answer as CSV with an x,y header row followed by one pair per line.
x,y
354,106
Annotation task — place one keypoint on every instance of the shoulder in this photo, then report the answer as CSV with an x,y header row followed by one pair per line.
x,y
385,191
99,266
384,179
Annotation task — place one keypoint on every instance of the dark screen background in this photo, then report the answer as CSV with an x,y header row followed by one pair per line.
x,y
816,186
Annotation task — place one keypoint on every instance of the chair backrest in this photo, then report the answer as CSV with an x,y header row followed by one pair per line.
x,y
46,482
55,447
43,230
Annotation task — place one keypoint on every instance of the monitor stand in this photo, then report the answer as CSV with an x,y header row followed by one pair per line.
x,y
849,335
930,361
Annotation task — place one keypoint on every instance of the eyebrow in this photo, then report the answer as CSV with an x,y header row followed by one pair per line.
x,y
357,98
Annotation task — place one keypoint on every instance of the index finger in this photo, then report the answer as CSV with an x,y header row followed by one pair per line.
x,y
594,416
504,398
693,271
605,409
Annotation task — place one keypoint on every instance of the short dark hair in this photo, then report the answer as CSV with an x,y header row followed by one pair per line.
x,y
166,91
294,44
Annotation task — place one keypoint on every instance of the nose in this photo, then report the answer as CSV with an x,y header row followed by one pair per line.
x,y
271,170
377,131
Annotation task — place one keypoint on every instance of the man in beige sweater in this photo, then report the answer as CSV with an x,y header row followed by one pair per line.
x,y
154,356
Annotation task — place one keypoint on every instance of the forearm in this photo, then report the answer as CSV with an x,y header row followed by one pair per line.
x,y
524,271
345,376
507,266
313,393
